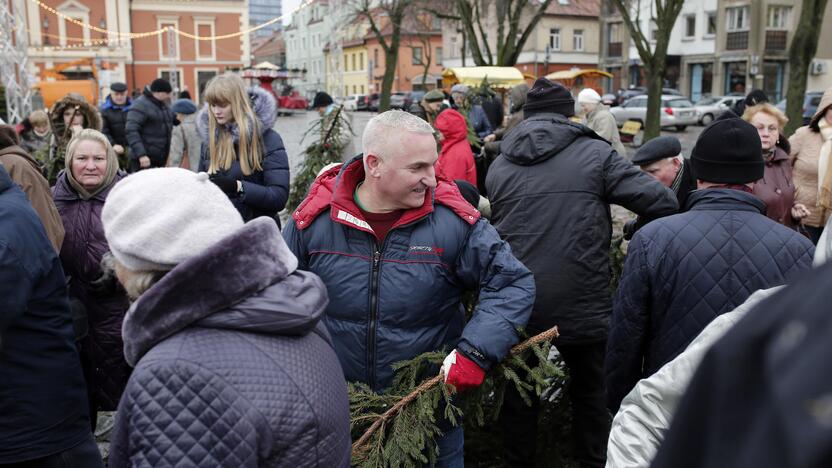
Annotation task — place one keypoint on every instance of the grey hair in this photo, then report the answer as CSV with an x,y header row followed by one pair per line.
x,y
384,130
137,283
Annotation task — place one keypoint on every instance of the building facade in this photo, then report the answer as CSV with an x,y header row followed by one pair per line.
x,y
110,36
314,25
261,11
566,37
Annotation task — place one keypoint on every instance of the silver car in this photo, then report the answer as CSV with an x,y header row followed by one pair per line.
x,y
676,111
710,108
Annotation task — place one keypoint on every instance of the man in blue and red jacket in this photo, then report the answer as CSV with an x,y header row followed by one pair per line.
x,y
396,247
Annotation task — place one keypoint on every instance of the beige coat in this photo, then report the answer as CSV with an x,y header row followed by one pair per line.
x,y
603,123
24,171
805,153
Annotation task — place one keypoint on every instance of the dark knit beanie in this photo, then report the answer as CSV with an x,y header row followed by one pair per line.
x,y
546,96
160,85
728,152
321,99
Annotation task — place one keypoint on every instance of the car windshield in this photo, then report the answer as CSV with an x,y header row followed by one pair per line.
x,y
678,103
707,101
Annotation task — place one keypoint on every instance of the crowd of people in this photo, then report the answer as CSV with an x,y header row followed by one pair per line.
x,y
144,271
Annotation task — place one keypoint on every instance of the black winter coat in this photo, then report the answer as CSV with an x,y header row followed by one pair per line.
x,y
149,127
43,403
115,122
550,192
682,271
760,397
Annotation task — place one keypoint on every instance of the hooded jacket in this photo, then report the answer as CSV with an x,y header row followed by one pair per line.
x,y
683,271
550,192
43,404
806,143
186,140
394,301
149,126
243,377
603,123
102,350
264,192
456,161
115,121
55,160
25,172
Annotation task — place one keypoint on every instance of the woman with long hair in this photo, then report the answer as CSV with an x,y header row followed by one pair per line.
x,y
241,152
776,188
812,167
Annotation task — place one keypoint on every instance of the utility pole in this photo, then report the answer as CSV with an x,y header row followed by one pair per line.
x,y
14,60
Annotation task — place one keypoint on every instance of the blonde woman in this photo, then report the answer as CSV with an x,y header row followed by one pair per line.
x,y
812,166
776,188
243,155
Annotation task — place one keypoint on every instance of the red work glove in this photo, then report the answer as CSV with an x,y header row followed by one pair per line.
x,y
462,372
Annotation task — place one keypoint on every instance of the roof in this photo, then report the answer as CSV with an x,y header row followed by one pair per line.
x,y
498,77
575,8
572,74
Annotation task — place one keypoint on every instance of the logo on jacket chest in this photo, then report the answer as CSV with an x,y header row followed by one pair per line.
x,y
426,250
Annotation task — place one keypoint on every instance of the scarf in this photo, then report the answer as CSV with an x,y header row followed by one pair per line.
x,y
824,165
109,177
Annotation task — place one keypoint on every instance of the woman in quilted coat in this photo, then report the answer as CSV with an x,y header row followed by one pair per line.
x,y
92,171
233,365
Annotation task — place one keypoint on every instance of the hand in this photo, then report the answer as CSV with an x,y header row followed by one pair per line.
x,y
229,185
490,138
799,211
118,149
462,372
144,162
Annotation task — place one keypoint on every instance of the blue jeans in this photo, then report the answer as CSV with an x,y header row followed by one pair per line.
x,y
451,445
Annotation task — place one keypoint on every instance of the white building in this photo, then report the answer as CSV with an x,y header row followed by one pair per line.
x,y
311,28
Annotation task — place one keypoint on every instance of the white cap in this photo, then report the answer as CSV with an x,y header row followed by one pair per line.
x,y
157,218
589,96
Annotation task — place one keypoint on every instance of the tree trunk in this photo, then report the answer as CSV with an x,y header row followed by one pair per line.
x,y
652,124
802,51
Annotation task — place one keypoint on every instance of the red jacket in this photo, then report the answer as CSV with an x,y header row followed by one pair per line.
x,y
456,161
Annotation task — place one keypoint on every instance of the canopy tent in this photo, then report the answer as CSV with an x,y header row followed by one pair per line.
x,y
498,77
266,66
577,79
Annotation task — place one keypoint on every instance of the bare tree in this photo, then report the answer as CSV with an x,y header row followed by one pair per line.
x,y
511,34
802,50
393,14
663,14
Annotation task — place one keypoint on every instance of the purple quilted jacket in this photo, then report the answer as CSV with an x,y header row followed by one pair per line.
x,y
102,355
233,366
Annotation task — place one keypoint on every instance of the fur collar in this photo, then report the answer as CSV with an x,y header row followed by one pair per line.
x,y
253,264
263,104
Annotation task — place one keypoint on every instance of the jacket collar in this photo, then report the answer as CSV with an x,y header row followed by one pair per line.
x,y
63,191
18,151
109,104
334,189
238,267
779,155
724,199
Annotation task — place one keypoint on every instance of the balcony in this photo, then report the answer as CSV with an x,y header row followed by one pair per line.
x,y
737,40
776,41
614,49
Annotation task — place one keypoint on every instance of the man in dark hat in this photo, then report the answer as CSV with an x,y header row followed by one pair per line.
x,y
756,96
684,270
336,115
322,102
432,103
661,158
114,118
149,126
550,191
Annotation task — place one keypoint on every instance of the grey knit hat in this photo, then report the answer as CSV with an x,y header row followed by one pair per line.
x,y
157,218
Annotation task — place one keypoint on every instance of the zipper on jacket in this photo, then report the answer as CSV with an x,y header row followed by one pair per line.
x,y
371,334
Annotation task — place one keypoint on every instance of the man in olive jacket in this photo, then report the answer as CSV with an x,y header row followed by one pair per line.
x,y
550,192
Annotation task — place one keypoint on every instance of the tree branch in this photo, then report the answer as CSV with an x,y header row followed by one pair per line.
x,y
529,28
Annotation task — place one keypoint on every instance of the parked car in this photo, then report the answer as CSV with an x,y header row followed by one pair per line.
x,y
372,102
811,101
353,102
625,94
413,96
676,111
710,108
609,100
397,100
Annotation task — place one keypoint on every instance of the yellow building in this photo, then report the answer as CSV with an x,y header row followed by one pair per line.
x,y
347,63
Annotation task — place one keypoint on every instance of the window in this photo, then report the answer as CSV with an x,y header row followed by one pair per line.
x,y
578,40
172,79
353,62
375,58
690,26
346,63
417,55
303,40
736,19
654,30
346,90
205,50
711,24
614,32
439,56
361,62
554,39
779,17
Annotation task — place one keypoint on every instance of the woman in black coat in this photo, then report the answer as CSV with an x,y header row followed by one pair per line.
x,y
241,152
